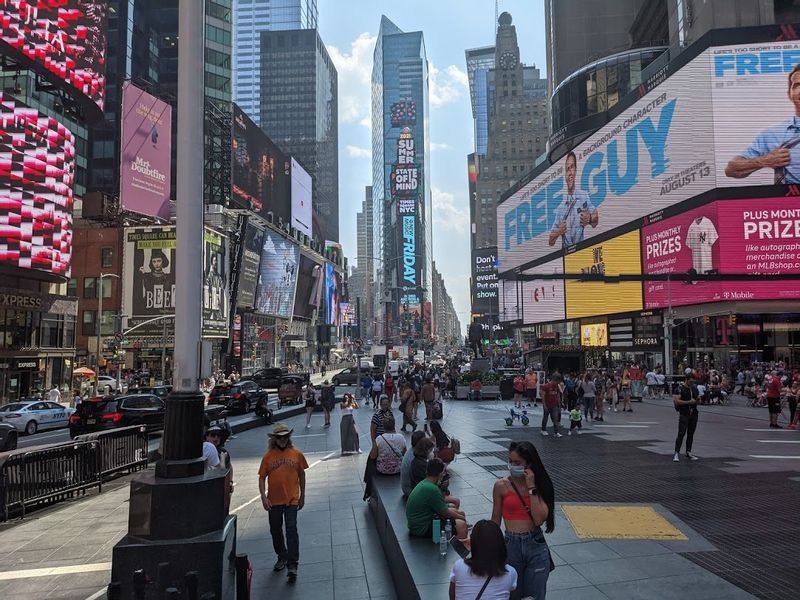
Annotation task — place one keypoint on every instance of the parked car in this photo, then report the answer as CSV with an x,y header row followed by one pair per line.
x,y
8,437
291,390
267,378
32,415
349,376
106,383
98,414
242,396
162,391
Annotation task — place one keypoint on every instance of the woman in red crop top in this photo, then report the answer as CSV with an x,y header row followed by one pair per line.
x,y
524,502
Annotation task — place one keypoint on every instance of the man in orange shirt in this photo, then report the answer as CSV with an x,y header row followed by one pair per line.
x,y
282,485
531,381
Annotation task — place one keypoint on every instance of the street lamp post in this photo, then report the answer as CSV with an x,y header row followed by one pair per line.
x,y
100,327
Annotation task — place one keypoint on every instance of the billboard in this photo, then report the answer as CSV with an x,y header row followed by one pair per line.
x,y
301,199
148,276
248,269
594,334
215,285
729,237
534,301
261,172
37,171
145,153
333,287
310,286
347,313
612,257
64,39
484,282
277,276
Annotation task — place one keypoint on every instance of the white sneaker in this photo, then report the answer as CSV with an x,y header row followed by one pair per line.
x,y
691,456
545,433
569,432
676,458
558,435
308,426
579,432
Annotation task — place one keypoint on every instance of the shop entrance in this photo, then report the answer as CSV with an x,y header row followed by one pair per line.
x,y
15,385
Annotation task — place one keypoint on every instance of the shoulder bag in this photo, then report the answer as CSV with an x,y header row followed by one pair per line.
x,y
528,510
483,589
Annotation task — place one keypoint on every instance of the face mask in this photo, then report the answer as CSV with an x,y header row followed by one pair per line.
x,y
516,470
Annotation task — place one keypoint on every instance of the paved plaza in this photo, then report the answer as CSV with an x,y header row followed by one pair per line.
x,y
735,511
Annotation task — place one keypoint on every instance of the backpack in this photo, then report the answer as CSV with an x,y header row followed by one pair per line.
x,y
455,445
436,413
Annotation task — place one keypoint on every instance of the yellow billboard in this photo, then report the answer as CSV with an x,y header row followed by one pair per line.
x,y
620,255
594,334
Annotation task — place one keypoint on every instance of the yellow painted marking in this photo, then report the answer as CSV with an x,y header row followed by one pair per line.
x,y
620,522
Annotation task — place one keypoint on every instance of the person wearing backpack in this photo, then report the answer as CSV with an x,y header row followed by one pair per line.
x,y
686,401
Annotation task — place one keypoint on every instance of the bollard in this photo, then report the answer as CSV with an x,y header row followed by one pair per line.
x,y
139,584
191,581
242,565
162,579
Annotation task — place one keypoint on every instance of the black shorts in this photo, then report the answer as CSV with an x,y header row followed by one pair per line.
x,y
531,394
774,405
311,403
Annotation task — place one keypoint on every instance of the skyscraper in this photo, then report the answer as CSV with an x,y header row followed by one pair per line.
x,y
479,62
403,235
299,112
251,17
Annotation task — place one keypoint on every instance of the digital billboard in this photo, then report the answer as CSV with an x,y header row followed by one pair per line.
x,y
301,199
64,39
534,301
277,276
310,287
148,276
484,282
37,171
145,152
612,257
261,172
594,334
215,285
333,288
753,236
248,268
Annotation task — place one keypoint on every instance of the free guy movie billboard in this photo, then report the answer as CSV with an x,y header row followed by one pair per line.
x,y
729,117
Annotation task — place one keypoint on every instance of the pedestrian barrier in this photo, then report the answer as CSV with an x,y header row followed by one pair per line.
x,y
50,474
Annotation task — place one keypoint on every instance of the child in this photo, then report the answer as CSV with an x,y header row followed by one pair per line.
x,y
575,420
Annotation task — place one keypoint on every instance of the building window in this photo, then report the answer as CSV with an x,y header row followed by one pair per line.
x,y
88,327
72,287
89,287
107,257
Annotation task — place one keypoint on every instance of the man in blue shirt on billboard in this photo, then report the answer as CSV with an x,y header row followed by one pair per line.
x,y
776,147
575,212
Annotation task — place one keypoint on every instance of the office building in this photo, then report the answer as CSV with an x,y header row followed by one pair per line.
x,y
401,193
250,18
299,112
446,327
479,62
361,280
517,128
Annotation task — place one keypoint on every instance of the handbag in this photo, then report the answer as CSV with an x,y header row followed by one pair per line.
x,y
528,510
396,453
483,589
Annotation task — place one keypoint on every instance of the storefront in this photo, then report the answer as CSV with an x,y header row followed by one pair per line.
x,y
37,342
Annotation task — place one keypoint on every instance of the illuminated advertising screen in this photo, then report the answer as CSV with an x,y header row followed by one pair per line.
x,y
64,39
277,276
594,334
148,277
248,269
301,199
333,287
754,236
347,313
215,285
145,153
484,282
612,257
310,287
37,171
261,172
533,301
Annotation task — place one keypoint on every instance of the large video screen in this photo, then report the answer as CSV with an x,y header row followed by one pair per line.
x,y
484,282
310,287
248,269
752,237
333,290
64,39
277,276
261,172
302,217
215,285
145,153
37,171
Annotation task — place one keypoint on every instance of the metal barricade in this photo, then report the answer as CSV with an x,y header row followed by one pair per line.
x,y
48,474
123,449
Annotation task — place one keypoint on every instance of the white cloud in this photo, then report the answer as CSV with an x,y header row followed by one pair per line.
x,y
446,215
436,146
355,74
446,86
357,152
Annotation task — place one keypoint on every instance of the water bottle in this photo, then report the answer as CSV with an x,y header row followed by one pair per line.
x,y
445,539
436,529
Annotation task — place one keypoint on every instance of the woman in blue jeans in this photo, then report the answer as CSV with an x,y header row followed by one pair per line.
x,y
524,502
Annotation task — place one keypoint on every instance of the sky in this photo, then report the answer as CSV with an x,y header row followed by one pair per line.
x,y
349,29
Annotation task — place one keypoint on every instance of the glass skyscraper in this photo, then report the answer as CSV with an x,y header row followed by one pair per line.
x,y
479,62
251,17
402,220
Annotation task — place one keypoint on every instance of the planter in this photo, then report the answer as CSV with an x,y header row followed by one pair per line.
x,y
462,392
487,391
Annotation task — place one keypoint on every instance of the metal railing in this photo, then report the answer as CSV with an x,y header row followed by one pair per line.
x,y
50,474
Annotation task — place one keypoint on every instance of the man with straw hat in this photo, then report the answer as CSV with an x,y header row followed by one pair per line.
x,y
282,485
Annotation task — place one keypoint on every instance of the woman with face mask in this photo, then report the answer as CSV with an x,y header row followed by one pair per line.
x,y
524,502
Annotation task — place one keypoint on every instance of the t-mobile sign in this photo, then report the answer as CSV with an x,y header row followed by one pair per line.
x,y
751,237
